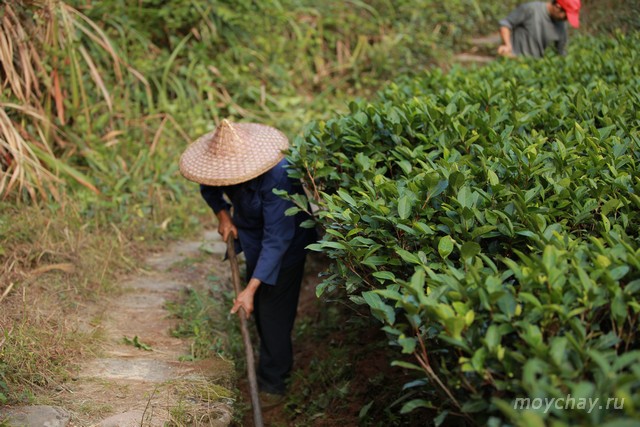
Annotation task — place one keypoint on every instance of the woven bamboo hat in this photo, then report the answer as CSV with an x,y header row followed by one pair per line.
x,y
233,153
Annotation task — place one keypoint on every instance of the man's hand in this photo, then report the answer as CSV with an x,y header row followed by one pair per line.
x,y
226,226
245,298
506,50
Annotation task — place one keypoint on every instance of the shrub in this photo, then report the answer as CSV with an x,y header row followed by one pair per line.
x,y
489,221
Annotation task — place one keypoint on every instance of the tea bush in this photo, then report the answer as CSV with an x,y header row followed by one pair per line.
x,y
489,219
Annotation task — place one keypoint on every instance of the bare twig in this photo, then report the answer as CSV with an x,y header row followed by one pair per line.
x,y
66,267
316,193
156,137
146,408
423,360
4,294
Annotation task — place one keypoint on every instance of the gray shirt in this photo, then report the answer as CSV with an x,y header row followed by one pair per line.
x,y
533,30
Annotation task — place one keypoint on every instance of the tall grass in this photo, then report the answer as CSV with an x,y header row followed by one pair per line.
x,y
44,66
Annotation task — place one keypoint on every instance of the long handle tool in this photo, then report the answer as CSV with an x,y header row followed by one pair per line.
x,y
251,364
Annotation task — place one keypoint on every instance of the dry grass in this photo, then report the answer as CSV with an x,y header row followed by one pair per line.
x,y
55,263
37,242
51,265
46,50
22,353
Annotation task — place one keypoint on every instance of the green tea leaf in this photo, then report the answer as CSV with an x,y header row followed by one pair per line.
x,y
469,250
404,207
414,404
445,246
382,311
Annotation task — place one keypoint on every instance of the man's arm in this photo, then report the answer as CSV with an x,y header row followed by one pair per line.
x,y
226,225
278,231
215,199
518,17
506,49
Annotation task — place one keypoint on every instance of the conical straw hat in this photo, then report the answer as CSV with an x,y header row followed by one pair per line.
x,y
233,153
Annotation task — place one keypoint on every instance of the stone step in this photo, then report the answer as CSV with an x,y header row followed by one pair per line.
x,y
37,416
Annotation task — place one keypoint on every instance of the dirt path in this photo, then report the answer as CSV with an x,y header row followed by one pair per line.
x,y
481,51
146,381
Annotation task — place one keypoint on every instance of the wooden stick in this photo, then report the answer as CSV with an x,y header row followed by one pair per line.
x,y
251,370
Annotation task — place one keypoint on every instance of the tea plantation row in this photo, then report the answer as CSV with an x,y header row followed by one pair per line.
x,y
490,220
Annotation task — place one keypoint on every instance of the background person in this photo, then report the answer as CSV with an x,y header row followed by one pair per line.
x,y
244,162
532,27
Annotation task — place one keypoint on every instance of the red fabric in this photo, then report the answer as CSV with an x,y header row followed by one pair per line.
x,y
572,7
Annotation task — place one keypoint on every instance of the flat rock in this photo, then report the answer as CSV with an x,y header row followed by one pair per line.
x,y
211,243
152,370
489,40
35,416
149,370
471,58
146,301
135,418
153,283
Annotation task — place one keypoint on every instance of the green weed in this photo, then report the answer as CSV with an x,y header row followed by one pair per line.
x,y
200,319
135,341
196,402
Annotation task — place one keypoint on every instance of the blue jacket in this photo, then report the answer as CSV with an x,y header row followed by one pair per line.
x,y
270,239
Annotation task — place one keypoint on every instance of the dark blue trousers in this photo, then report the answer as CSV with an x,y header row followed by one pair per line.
x,y
275,310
